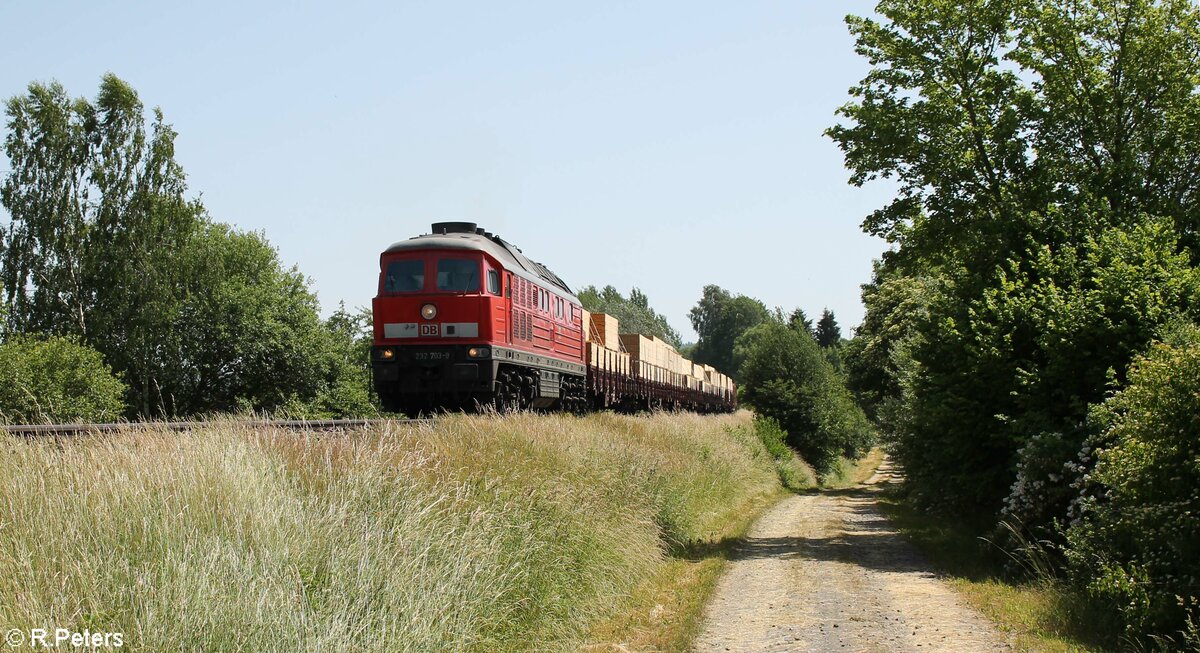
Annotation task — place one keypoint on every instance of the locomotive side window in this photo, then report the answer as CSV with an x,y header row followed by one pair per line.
x,y
458,275
404,276
493,282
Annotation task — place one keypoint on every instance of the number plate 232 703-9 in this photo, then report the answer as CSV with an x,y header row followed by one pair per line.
x,y
431,355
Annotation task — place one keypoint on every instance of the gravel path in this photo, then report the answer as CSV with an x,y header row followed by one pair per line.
x,y
826,572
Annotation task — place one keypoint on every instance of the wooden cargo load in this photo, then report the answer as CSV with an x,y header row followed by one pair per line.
x,y
665,351
604,330
640,347
603,358
595,358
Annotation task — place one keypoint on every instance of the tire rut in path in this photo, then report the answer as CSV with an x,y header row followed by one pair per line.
x,y
827,572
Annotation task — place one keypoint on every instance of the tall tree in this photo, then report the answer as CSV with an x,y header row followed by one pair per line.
x,y
828,333
97,217
798,321
720,318
49,147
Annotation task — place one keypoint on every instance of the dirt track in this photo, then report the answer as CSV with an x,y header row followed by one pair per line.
x,y
826,572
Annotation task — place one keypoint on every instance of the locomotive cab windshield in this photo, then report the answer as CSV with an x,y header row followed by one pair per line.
x,y
458,273
404,275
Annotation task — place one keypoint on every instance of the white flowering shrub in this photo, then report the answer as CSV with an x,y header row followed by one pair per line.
x,y
1049,469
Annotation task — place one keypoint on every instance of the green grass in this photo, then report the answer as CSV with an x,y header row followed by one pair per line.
x,y
851,472
547,533
1040,615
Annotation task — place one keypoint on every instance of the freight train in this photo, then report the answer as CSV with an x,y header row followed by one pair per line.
x,y
463,319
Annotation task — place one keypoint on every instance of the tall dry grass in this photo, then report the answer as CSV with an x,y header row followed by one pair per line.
x,y
471,534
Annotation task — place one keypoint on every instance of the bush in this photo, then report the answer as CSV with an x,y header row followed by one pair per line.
x,y
1135,543
1003,359
793,473
786,377
56,380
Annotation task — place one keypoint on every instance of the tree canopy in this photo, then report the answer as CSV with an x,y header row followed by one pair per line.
x,y
633,313
828,333
720,318
102,245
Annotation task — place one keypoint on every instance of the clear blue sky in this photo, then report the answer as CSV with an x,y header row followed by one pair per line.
x,y
662,145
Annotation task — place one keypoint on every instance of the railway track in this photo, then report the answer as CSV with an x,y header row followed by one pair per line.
x,y
76,430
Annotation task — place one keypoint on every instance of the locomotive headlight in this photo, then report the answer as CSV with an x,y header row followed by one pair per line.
x,y
479,352
385,353
429,311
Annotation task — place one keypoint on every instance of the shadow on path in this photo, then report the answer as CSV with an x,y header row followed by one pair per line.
x,y
863,537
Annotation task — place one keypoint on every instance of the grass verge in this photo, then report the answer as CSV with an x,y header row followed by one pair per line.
x,y
1042,615
851,472
547,533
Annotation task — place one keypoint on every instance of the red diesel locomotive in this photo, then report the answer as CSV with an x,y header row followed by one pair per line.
x,y
463,318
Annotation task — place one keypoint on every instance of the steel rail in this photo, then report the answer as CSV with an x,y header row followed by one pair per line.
x,y
71,430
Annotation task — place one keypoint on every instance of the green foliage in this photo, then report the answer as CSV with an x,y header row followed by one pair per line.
x,y
878,360
793,474
633,313
350,393
1136,540
720,318
798,321
56,379
986,113
1028,358
828,334
1045,232
773,437
249,337
786,378
103,246
1026,190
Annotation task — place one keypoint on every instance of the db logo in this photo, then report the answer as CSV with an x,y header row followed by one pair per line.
x,y
430,330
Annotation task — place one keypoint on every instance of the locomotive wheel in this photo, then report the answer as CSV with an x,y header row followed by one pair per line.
x,y
512,388
503,399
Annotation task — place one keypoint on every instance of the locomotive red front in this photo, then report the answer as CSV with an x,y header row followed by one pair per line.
x,y
463,318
